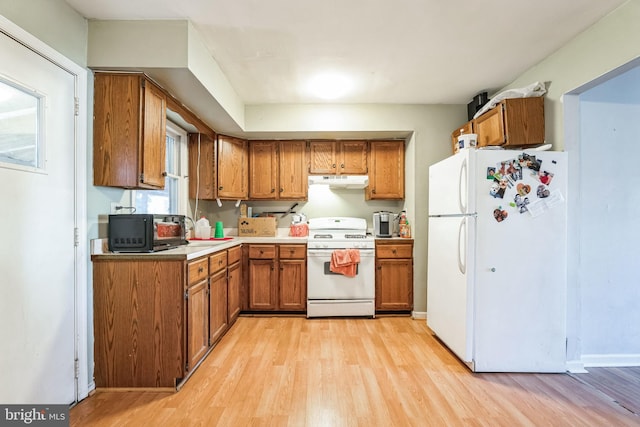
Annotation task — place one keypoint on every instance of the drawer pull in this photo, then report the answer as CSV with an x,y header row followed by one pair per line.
x,y
394,251
200,269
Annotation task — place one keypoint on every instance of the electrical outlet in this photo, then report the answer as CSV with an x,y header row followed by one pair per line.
x,y
114,205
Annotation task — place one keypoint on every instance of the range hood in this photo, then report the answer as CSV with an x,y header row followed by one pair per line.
x,y
354,182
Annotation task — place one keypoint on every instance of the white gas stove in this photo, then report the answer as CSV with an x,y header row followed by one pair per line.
x,y
332,294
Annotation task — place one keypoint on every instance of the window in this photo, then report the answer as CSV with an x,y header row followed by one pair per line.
x,y
21,130
171,200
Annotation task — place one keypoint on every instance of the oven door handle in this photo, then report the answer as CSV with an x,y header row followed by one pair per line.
x,y
327,252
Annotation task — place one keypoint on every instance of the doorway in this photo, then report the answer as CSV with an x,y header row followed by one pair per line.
x,y
602,124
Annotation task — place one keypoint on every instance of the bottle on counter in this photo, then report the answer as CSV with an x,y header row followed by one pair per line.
x,y
203,228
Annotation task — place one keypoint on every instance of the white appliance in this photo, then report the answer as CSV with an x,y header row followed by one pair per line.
x,y
353,182
496,283
330,294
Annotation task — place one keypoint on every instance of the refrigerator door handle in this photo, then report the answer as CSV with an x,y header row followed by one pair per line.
x,y
462,180
462,246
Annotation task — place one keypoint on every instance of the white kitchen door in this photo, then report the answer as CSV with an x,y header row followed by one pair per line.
x,y
37,250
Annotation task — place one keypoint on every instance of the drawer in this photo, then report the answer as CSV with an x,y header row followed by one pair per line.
x,y
293,251
217,261
262,251
198,270
394,251
234,255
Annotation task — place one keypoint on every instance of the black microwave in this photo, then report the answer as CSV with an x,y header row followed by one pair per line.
x,y
146,232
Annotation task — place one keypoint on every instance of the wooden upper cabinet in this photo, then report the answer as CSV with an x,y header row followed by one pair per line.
x,y
263,170
386,170
514,122
293,165
322,157
338,157
202,166
352,158
233,168
129,132
278,170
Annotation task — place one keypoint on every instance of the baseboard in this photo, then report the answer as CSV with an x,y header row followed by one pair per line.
x,y
576,367
419,314
610,360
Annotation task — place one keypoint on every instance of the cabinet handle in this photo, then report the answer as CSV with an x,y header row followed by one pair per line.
x,y
282,190
220,188
273,190
373,191
379,267
342,166
200,270
333,166
261,252
394,251
164,173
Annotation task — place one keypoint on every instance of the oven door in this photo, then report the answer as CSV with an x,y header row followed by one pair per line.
x,y
323,284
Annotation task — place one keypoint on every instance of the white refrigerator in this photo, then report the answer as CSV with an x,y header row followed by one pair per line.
x,y
496,283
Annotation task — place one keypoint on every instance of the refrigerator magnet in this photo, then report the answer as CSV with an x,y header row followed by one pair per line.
x,y
500,215
523,189
545,177
491,173
542,191
521,203
498,189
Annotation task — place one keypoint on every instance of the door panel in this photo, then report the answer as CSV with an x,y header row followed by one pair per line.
x,y
37,252
449,294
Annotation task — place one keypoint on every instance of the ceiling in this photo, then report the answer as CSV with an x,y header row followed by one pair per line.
x,y
398,52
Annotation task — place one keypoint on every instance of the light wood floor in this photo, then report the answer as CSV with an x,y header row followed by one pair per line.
x,y
388,371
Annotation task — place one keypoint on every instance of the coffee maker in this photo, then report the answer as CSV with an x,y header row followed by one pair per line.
x,y
383,224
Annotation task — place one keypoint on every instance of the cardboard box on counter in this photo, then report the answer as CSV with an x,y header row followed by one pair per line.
x,y
257,227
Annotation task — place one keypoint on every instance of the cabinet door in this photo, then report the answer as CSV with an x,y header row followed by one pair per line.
x,y
138,323
233,168
352,158
154,137
262,284
293,285
202,166
386,170
129,132
292,159
234,282
197,323
490,127
218,321
394,284
263,168
322,157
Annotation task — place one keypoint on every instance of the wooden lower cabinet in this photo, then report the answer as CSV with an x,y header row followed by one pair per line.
x,y
394,275
156,319
292,278
284,289
139,315
234,283
197,323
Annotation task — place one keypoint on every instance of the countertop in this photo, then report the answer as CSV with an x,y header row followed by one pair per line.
x,y
199,248
195,248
